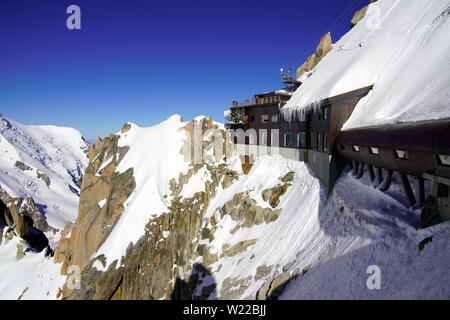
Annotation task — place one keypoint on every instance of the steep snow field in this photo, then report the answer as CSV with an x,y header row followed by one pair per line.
x,y
59,153
402,47
337,240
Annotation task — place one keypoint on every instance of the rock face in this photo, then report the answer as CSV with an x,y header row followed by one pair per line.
x,y
25,220
322,49
94,223
359,15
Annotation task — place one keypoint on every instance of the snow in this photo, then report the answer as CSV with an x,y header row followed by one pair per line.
x,y
102,203
374,228
406,59
59,153
155,158
34,271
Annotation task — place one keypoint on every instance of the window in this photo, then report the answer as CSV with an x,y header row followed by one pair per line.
x,y
301,140
274,138
252,139
265,118
356,148
374,151
325,113
275,118
325,142
318,114
444,160
311,140
319,142
403,155
252,119
287,139
264,138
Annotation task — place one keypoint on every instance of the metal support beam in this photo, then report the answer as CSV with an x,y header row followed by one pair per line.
x,y
371,172
421,194
360,170
408,190
355,167
379,174
387,181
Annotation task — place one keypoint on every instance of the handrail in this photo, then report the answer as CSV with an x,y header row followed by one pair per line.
x,y
253,102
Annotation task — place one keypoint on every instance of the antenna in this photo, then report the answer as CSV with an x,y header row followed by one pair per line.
x,y
288,78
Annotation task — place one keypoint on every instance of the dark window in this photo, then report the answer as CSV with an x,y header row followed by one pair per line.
x,y
287,139
319,142
311,140
252,119
301,140
442,191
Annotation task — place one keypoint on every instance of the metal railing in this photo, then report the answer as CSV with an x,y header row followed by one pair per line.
x,y
254,102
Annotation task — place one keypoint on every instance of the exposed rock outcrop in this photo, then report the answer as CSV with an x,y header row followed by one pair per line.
x,y
322,50
25,220
94,223
360,14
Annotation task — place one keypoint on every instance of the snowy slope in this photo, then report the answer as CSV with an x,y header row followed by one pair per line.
x,y
34,276
402,47
61,154
336,240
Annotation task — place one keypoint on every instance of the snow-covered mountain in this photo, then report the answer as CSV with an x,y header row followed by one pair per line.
x,y
402,48
45,163
42,168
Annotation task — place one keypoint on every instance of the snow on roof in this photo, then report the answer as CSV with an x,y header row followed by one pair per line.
x,y
406,59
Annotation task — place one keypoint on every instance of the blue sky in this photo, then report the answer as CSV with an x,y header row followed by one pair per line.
x,y
142,61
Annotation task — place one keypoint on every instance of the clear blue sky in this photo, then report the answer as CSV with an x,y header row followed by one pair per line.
x,y
141,61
